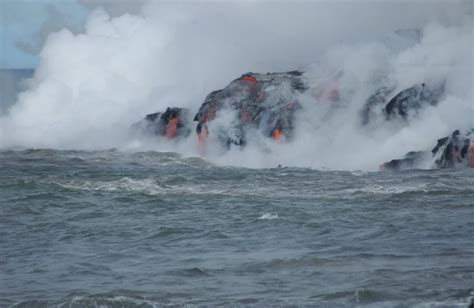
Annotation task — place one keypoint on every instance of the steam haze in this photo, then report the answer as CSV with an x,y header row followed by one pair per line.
x,y
133,59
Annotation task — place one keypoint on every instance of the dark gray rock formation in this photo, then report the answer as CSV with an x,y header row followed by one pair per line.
x,y
456,150
264,102
173,123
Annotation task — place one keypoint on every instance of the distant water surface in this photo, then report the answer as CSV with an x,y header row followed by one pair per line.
x,y
113,229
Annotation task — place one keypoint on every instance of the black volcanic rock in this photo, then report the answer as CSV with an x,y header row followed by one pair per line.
x,y
173,123
456,150
263,102
401,104
414,98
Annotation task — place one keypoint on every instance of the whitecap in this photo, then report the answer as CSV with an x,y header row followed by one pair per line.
x,y
269,216
379,189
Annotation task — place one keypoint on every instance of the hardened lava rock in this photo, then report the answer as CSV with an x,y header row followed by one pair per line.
x,y
173,123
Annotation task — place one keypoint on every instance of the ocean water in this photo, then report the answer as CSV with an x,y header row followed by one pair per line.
x,y
150,229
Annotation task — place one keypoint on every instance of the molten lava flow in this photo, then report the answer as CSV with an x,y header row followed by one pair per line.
x,y
249,78
171,128
202,139
276,134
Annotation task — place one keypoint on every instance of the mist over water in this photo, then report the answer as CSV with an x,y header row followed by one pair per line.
x,y
90,87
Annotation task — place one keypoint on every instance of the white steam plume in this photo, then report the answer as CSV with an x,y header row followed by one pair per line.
x,y
89,88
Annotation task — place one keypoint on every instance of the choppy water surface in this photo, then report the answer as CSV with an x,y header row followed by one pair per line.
x,y
82,229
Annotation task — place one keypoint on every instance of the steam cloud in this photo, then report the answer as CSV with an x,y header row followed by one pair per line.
x,y
115,8
90,87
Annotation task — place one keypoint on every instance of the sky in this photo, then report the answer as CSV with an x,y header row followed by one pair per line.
x,y
25,24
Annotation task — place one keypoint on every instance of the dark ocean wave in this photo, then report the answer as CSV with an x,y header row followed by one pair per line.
x,y
149,229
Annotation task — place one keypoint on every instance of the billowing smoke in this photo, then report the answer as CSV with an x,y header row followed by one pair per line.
x,y
90,87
